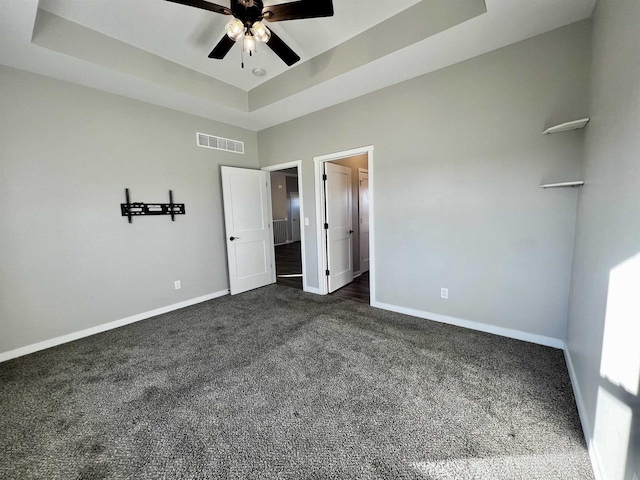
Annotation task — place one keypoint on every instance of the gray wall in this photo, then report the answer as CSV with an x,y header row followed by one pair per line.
x,y
354,163
458,159
278,196
69,261
604,342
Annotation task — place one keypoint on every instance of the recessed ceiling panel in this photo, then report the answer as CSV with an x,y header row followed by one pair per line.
x,y
186,35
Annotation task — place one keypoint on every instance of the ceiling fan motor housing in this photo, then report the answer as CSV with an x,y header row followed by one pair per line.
x,y
249,11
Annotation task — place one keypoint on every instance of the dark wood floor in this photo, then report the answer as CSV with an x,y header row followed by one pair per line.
x,y
289,261
357,290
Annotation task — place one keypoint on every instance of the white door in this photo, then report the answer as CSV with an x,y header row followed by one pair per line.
x,y
295,216
339,225
246,215
363,196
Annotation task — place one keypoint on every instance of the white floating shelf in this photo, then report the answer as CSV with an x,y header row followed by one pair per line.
x,y
565,127
562,184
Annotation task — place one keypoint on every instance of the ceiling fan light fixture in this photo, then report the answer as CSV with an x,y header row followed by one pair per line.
x,y
261,32
246,23
249,43
235,29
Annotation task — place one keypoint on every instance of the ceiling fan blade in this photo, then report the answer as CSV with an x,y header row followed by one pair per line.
x,y
281,49
298,10
212,7
222,48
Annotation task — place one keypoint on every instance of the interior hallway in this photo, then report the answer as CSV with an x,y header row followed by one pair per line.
x,y
289,262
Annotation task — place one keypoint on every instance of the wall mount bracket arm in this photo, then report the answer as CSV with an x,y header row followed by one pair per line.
x,y
129,209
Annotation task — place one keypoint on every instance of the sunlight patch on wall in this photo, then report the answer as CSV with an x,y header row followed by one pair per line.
x,y
538,465
620,362
611,434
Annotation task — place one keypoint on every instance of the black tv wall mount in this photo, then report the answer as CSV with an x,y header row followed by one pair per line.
x,y
130,209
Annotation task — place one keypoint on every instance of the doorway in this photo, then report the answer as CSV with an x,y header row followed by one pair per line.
x,y
286,214
343,203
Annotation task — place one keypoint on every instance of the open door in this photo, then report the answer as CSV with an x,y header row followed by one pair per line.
x,y
295,216
339,226
246,214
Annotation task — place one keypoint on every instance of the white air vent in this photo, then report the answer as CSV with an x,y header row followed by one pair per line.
x,y
219,143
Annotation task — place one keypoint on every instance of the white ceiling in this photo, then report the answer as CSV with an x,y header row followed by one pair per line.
x,y
185,36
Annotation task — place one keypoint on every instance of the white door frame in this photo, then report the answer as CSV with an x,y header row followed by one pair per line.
x,y
320,216
283,166
360,172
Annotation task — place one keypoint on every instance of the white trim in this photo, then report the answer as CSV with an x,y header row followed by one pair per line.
x,y
35,347
584,418
320,248
479,326
283,166
320,240
357,274
272,240
361,173
315,290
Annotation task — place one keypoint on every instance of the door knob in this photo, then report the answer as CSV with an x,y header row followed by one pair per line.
x,y
233,238
350,231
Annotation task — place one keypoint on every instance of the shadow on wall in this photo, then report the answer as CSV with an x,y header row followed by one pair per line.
x,y
616,433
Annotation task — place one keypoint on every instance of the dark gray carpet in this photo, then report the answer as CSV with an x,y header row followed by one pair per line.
x,y
276,383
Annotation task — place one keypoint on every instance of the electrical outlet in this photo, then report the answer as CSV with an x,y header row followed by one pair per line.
x,y
177,284
444,293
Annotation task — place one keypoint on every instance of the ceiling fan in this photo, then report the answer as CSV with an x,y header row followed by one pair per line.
x,y
247,25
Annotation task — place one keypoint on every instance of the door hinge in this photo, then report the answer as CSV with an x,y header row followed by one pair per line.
x,y
324,177
327,273
326,226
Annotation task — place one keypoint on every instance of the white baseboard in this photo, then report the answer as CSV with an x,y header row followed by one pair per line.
x,y
19,352
584,418
482,327
357,274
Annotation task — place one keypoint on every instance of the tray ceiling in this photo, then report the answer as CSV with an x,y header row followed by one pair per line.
x,y
156,51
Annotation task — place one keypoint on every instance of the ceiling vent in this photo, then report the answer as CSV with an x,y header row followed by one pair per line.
x,y
219,143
